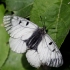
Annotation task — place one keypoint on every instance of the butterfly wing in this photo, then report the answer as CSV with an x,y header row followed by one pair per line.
x,y
20,30
17,45
19,27
49,53
33,58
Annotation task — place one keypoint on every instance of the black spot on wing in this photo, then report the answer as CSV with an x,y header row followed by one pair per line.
x,y
50,43
27,23
53,50
20,22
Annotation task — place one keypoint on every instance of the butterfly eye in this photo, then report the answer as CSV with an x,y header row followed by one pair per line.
x,y
50,43
27,23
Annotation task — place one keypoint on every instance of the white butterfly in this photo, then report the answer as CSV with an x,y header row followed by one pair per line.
x,y
26,36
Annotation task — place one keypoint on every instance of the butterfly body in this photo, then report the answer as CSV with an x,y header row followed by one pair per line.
x,y
26,36
36,38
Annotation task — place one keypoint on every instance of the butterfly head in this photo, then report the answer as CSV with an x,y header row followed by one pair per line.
x,y
44,29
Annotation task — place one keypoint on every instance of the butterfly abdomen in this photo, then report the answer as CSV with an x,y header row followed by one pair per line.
x,y
35,39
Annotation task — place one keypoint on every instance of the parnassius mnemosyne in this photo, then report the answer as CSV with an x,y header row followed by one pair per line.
x,y
25,35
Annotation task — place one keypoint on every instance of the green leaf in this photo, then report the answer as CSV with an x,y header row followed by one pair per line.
x,y
2,10
20,7
3,38
13,62
17,62
55,14
24,12
2,1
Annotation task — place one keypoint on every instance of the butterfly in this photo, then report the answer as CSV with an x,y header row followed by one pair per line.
x,y
25,36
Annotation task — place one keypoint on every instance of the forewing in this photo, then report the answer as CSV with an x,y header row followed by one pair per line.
x,y
49,53
17,45
19,27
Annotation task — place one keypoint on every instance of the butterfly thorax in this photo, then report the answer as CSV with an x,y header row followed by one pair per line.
x,y
35,38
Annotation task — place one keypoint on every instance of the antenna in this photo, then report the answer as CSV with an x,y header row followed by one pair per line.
x,y
43,23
